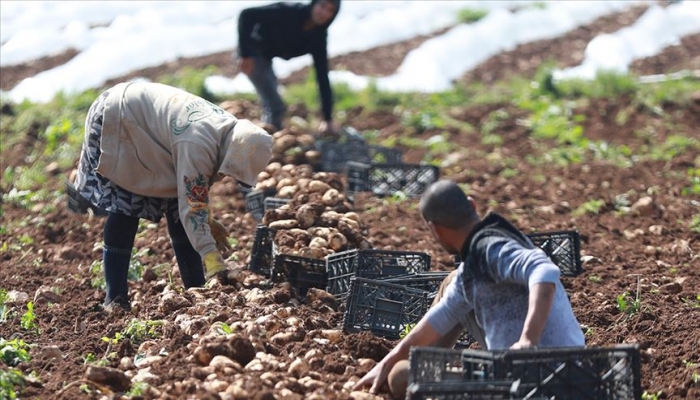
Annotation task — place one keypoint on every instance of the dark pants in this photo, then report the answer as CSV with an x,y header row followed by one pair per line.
x,y
119,234
265,82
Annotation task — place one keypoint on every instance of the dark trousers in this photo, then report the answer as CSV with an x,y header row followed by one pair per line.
x,y
265,82
119,234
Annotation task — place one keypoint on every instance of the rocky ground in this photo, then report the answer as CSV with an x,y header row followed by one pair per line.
x,y
246,338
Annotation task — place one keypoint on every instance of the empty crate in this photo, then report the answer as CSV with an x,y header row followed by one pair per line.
x,y
383,308
387,179
373,264
261,253
561,373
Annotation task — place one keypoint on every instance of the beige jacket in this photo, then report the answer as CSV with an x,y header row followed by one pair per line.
x,y
160,141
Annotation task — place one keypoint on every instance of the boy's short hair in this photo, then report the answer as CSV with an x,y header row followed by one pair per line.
x,y
445,203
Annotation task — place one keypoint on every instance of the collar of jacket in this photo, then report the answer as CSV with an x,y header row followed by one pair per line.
x,y
491,220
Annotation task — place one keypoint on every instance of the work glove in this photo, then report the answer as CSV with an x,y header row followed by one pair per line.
x,y
220,235
213,264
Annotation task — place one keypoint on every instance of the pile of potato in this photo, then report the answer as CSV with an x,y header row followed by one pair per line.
x,y
295,146
318,220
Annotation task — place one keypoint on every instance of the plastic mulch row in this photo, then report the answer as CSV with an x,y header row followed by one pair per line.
x,y
78,205
385,309
562,247
387,179
566,373
373,264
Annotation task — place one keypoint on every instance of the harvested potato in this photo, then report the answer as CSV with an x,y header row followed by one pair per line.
x,y
319,231
283,144
354,224
287,192
331,197
288,181
272,168
318,242
267,184
337,241
306,215
353,216
303,183
300,236
284,224
316,186
277,214
263,175
284,239
313,156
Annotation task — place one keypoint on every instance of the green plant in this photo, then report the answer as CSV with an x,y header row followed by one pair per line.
x,y
11,382
406,330
225,329
115,340
13,352
694,188
4,308
695,223
28,320
138,330
470,15
590,207
595,279
137,389
651,396
628,304
692,303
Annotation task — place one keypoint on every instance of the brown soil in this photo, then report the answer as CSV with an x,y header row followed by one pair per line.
x,y
654,253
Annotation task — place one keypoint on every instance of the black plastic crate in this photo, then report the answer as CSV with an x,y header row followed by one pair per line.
x,y
472,390
261,253
78,204
255,202
383,308
334,155
563,248
373,264
387,179
301,272
428,281
562,373
384,155
274,202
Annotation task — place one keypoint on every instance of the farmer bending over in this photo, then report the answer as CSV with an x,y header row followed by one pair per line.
x,y
152,149
286,30
506,292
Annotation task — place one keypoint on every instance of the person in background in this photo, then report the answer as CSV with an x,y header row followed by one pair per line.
x,y
152,149
506,292
286,30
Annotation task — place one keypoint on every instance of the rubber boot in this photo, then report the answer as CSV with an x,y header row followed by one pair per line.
x,y
189,262
116,269
119,233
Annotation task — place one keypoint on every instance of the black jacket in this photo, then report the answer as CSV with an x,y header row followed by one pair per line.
x,y
276,30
